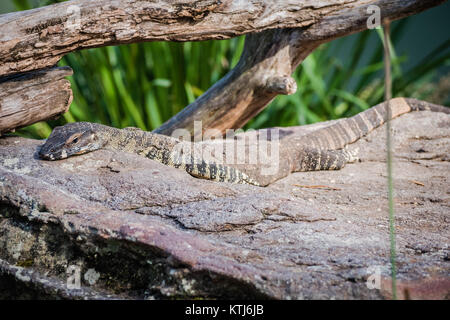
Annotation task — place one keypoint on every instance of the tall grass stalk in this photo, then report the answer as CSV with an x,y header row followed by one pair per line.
x,y
388,97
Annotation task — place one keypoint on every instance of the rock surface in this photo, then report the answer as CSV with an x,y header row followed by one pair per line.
x,y
133,228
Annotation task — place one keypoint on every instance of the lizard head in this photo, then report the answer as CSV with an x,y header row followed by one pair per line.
x,y
71,139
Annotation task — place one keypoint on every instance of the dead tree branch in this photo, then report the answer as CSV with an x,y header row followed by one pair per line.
x,y
33,97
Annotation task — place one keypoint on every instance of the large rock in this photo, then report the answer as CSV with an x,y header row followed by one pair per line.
x,y
137,229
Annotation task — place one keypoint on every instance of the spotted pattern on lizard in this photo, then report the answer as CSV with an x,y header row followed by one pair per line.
x,y
321,149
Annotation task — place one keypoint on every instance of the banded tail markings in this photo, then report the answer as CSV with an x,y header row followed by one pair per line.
x,y
380,118
331,137
343,135
362,125
352,129
398,107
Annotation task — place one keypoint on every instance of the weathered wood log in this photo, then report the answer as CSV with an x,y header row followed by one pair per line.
x,y
38,38
34,96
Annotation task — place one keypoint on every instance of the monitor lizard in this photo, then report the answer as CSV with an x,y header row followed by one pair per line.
x,y
320,149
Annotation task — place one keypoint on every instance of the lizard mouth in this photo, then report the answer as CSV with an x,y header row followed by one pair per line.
x,y
60,155
53,156
47,156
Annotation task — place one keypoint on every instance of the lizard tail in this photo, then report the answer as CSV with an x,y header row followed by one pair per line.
x,y
342,133
418,105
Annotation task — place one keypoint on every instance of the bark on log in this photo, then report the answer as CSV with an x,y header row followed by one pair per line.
x,y
33,97
38,38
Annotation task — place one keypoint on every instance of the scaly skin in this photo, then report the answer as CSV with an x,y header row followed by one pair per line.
x,y
321,149
83,137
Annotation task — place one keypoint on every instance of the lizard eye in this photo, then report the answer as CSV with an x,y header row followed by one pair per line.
x,y
75,140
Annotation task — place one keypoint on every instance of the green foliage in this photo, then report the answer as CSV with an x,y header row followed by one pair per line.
x,y
145,84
